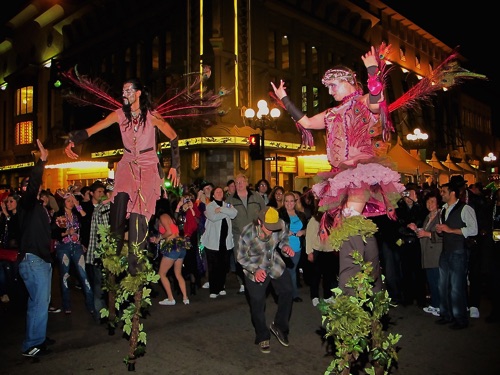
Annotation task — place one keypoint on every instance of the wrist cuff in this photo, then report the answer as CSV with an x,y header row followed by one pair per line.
x,y
294,112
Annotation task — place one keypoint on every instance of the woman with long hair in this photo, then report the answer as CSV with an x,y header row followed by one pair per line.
x,y
173,248
66,232
296,224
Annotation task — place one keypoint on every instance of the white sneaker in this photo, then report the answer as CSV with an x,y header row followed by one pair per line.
x,y
315,301
329,300
186,301
206,285
222,293
474,312
431,310
213,295
242,289
167,302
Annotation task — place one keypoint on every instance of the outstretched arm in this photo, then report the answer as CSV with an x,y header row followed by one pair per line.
x,y
78,136
315,122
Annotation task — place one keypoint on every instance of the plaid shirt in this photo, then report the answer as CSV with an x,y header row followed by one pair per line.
x,y
99,216
254,253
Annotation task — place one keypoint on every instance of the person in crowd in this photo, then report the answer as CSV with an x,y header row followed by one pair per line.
x,y
217,240
257,254
248,204
69,250
478,246
303,267
263,188
458,221
35,267
296,225
324,259
230,187
137,176
187,216
276,197
100,217
173,247
494,263
411,214
202,200
358,183
431,245
46,202
9,240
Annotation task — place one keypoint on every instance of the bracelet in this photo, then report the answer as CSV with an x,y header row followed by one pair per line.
x,y
79,208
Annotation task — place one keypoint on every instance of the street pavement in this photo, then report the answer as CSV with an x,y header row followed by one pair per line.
x,y
215,336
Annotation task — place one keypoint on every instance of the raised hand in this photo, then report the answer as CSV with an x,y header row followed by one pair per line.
x,y
370,58
69,151
44,153
281,90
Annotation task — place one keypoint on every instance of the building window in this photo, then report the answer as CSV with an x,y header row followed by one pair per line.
x,y
271,49
24,100
304,98
24,133
285,53
303,59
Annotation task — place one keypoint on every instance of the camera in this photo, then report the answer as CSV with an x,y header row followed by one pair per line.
x,y
405,194
187,200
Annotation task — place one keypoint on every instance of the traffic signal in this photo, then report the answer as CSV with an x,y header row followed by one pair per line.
x,y
255,147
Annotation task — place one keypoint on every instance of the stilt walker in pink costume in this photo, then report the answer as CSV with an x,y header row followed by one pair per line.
x,y
362,182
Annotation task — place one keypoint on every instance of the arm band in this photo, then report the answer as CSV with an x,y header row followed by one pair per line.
x,y
292,109
174,151
375,86
79,208
77,136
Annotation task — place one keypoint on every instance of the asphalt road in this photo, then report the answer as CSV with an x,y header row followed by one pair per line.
x,y
216,337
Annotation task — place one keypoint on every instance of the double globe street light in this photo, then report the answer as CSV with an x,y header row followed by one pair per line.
x,y
265,118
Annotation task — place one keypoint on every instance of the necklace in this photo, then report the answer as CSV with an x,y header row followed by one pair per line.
x,y
135,119
350,96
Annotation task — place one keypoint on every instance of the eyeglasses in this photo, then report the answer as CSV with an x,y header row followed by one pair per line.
x,y
263,185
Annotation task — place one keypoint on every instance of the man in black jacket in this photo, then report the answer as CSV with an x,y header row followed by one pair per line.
x,y
35,267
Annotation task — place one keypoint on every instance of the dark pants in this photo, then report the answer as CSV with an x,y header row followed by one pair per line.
x,y
453,285
137,229
218,266
257,299
347,268
475,269
324,267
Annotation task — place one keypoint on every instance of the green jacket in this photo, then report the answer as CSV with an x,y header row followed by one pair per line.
x,y
245,215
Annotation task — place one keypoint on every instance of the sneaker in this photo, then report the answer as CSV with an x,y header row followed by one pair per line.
x,y
279,335
265,347
329,300
315,301
242,289
37,351
54,310
206,285
185,301
474,312
431,310
213,295
222,293
167,302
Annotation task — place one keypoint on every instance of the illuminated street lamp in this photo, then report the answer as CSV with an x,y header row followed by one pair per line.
x,y
417,138
263,119
490,157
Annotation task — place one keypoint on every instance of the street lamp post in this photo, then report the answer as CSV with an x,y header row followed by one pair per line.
x,y
417,138
490,159
263,119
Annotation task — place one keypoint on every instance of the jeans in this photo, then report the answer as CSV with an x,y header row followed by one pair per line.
x,y
433,281
37,277
257,298
453,285
73,252
94,274
293,273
